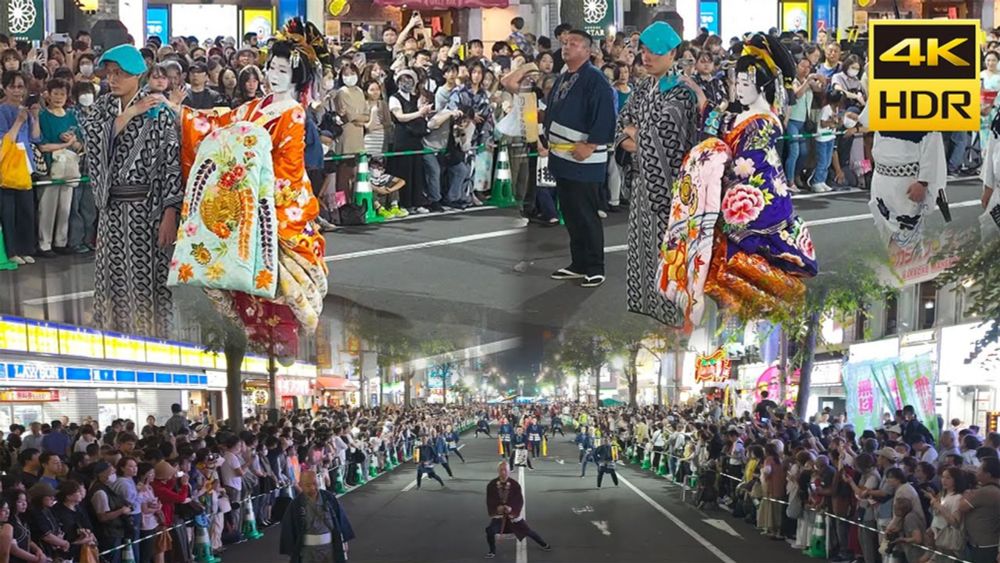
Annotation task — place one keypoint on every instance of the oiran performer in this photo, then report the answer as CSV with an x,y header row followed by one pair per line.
x,y
505,502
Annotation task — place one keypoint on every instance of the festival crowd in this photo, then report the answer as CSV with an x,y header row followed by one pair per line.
x,y
68,487
409,89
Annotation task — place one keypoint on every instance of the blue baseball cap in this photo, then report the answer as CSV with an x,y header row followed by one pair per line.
x,y
660,38
125,56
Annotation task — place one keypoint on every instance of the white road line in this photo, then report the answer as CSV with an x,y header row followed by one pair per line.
x,y
850,218
59,298
422,245
813,195
522,546
412,484
677,521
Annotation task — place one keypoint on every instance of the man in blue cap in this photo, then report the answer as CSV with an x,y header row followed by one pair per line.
x,y
657,127
134,156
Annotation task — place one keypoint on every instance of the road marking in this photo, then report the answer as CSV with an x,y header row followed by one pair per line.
x,y
813,195
583,510
412,484
850,218
677,522
59,298
602,526
722,525
522,546
422,245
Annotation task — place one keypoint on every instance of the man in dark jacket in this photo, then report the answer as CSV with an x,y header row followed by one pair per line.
x,y
315,527
913,428
504,502
606,459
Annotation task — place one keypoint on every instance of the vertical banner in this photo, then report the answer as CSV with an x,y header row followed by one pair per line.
x,y
864,400
916,387
708,15
158,23
884,373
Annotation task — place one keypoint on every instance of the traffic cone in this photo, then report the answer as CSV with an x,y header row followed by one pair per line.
x,y
338,483
250,521
5,262
817,543
636,456
363,192
128,553
647,461
661,469
502,194
545,447
372,471
360,475
202,546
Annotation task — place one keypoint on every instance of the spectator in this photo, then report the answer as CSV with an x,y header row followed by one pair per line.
x,y
73,521
22,547
20,124
56,441
52,468
177,421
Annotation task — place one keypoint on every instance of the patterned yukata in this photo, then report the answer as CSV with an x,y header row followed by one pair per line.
x,y
130,280
667,123
302,272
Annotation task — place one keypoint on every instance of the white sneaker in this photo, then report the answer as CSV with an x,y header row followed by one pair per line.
x,y
421,210
28,259
18,260
602,214
821,187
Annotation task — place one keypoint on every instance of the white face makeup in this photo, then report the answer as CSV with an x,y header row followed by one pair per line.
x,y
279,75
746,90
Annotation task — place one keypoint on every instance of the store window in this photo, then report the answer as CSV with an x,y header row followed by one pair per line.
x,y
928,302
891,315
113,404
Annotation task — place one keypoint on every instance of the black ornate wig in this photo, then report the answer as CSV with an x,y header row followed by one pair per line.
x,y
769,65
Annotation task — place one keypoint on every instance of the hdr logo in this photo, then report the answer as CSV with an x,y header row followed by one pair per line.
x,y
924,75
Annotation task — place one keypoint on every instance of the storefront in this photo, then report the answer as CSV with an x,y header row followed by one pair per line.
x,y
337,391
919,9
970,380
204,21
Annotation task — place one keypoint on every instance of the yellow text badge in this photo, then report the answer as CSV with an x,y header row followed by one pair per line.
x,y
923,75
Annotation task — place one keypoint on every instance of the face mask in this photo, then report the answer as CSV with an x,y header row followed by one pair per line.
x,y
852,72
351,80
850,122
112,478
86,70
279,82
86,100
328,84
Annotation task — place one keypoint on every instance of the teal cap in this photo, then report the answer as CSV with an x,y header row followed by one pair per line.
x,y
660,38
125,56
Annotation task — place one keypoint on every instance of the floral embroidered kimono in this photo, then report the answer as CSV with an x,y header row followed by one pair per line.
x,y
759,247
301,270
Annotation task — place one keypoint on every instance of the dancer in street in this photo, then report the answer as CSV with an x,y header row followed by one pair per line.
x,y
441,450
506,432
451,439
535,433
425,462
519,450
483,426
606,459
504,502
133,153
315,528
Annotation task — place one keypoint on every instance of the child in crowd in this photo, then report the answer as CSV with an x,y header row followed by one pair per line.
x,y
386,188
826,137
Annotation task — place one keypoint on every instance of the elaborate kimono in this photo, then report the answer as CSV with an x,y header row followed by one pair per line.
x,y
900,160
667,124
733,232
301,269
135,176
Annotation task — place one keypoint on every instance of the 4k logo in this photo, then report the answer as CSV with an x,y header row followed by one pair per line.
x,y
924,75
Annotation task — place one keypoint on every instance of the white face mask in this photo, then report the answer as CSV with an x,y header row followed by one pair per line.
x,y
112,478
86,100
350,80
279,81
86,70
328,84
849,122
852,72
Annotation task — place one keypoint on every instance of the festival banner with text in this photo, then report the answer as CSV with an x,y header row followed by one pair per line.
x,y
874,388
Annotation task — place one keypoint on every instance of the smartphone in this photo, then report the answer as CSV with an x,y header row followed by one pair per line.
x,y
455,41
31,100
62,38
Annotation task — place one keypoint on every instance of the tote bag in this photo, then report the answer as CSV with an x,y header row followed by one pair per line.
x,y
15,169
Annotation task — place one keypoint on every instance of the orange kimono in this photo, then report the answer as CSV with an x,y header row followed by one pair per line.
x,y
302,272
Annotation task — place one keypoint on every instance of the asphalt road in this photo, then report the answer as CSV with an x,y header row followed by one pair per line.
x,y
643,520
482,272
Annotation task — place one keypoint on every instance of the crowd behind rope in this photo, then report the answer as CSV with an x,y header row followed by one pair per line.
x,y
69,487
410,90
895,493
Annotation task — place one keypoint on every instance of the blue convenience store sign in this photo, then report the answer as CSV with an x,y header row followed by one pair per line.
x,y
46,373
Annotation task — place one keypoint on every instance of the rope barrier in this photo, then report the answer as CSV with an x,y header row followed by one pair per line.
x,y
824,513
469,424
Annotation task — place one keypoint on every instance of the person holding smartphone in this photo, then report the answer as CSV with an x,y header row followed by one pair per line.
x,y
19,122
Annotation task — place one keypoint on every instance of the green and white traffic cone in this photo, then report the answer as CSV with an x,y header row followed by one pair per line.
x,y
363,195
202,546
250,521
661,469
636,455
502,194
360,475
817,543
338,483
647,461
372,471
5,262
128,553
391,459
